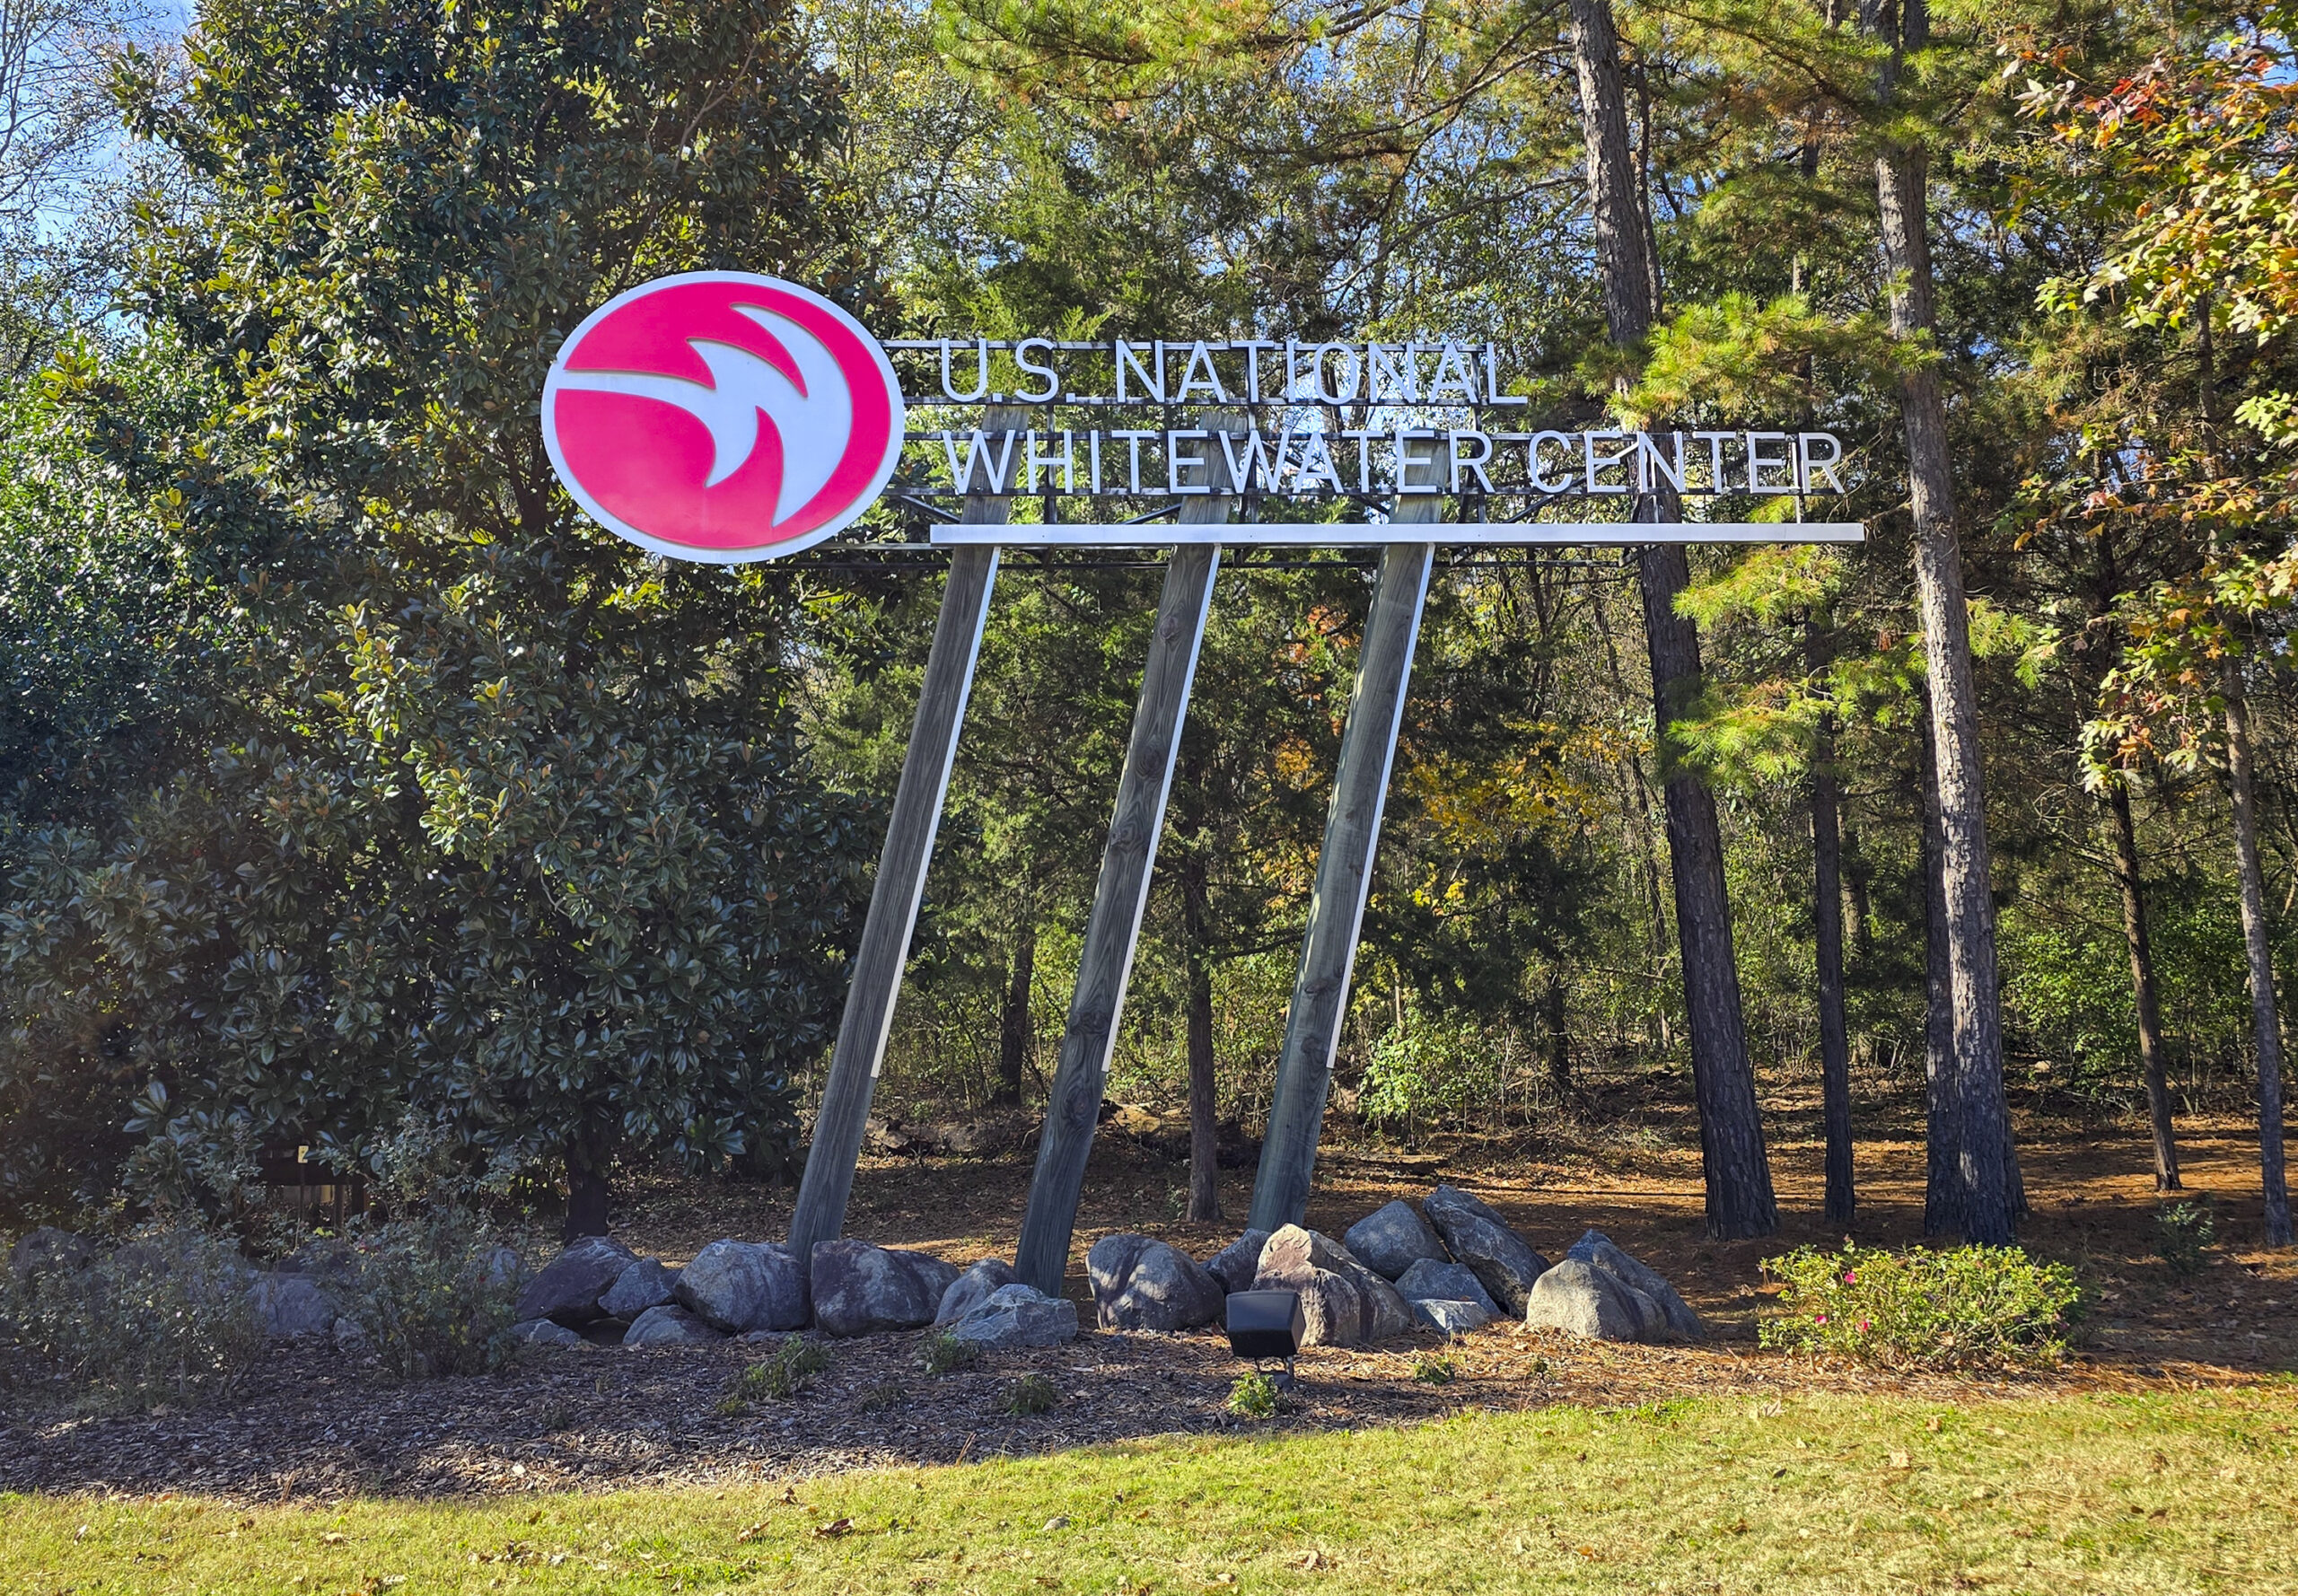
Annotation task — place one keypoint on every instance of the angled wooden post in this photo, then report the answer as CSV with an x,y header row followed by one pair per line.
x,y
1368,745
843,1116
1113,928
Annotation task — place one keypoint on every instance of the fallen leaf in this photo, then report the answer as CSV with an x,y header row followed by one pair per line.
x,y
834,1529
750,1534
335,1538
1899,1460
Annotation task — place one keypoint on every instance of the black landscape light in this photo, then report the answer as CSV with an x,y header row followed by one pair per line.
x,y
1266,1324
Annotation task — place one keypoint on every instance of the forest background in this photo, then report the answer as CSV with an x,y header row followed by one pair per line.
x,y
355,788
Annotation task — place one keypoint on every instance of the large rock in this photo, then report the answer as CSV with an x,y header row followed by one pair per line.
x,y
1452,1318
47,1249
569,1286
1142,1283
1479,1238
861,1290
970,1290
1597,1249
668,1326
745,1286
1582,1300
1345,1303
1390,1239
646,1283
292,1305
1018,1315
1235,1265
1428,1281
543,1332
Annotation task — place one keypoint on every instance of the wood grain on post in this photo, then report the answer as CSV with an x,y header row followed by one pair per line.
x,y
843,1116
1113,928
1360,788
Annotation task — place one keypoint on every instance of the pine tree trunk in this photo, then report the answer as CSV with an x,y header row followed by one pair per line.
x,y
2151,1052
1740,1197
2264,1019
1990,1202
1560,1041
1942,1194
1827,905
1016,1025
1204,1117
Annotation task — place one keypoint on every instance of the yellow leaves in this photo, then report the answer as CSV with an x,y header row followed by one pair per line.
x,y
1472,806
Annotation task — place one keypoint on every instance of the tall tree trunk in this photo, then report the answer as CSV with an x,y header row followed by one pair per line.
x,y
1739,1196
1016,1024
1990,1203
1942,1109
1559,1042
2264,1020
1204,1121
1827,906
589,1156
2151,1053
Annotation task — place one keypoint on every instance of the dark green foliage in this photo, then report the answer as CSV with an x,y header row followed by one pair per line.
x,y
1030,1395
946,1353
2183,1232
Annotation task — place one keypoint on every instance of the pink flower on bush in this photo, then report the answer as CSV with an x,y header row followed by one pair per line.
x,y
1863,1326
1818,1319
1851,1276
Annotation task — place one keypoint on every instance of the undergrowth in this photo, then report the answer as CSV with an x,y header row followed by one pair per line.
x,y
1960,1307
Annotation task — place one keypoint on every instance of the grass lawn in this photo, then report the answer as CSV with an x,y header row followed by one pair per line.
x,y
2159,1494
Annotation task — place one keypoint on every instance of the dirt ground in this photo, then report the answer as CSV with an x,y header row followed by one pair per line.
x,y
316,1423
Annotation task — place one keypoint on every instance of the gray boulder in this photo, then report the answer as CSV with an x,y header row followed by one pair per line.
x,y
1142,1283
744,1285
1345,1303
970,1290
861,1290
1018,1315
668,1326
498,1266
1235,1265
45,1249
1452,1318
292,1305
1597,1249
1582,1300
1481,1239
543,1332
569,1286
646,1283
1390,1239
1428,1281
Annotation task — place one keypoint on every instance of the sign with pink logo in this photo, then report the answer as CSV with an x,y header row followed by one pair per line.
x,y
722,416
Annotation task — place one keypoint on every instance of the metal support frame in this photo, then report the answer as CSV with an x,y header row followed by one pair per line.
x,y
843,1118
1368,745
1113,928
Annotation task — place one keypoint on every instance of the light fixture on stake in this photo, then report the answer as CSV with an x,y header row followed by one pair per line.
x,y
1265,1325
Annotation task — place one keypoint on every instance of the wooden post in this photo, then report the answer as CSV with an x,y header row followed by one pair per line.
x,y
1288,1152
843,1116
1113,928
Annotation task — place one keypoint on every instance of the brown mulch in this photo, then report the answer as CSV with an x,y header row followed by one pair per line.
x,y
313,1423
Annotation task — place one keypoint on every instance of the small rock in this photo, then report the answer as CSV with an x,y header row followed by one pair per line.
x,y
1597,1249
1582,1300
292,1305
47,1249
570,1286
1451,1282
544,1332
1142,1283
1479,1238
1390,1239
1235,1265
1345,1303
498,1266
970,1290
745,1286
668,1326
861,1290
646,1283
1018,1315
1454,1318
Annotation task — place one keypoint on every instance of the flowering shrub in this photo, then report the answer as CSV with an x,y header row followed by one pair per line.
x,y
1966,1307
435,1295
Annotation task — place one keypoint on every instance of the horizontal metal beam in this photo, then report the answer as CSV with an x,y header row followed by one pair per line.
x,y
1505,534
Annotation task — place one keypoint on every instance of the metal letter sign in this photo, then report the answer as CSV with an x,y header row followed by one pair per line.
x,y
726,417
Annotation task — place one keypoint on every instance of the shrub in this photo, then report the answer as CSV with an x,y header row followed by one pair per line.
x,y
788,1370
2183,1233
945,1354
1429,1369
1030,1394
1966,1307
433,1295
166,1316
1257,1396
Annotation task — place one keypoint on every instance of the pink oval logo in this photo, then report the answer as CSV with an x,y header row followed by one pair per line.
x,y
721,417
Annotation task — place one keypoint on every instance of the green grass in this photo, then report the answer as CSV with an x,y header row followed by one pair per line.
x,y
2159,1494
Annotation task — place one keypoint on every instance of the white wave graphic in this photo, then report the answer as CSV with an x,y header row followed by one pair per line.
x,y
814,427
